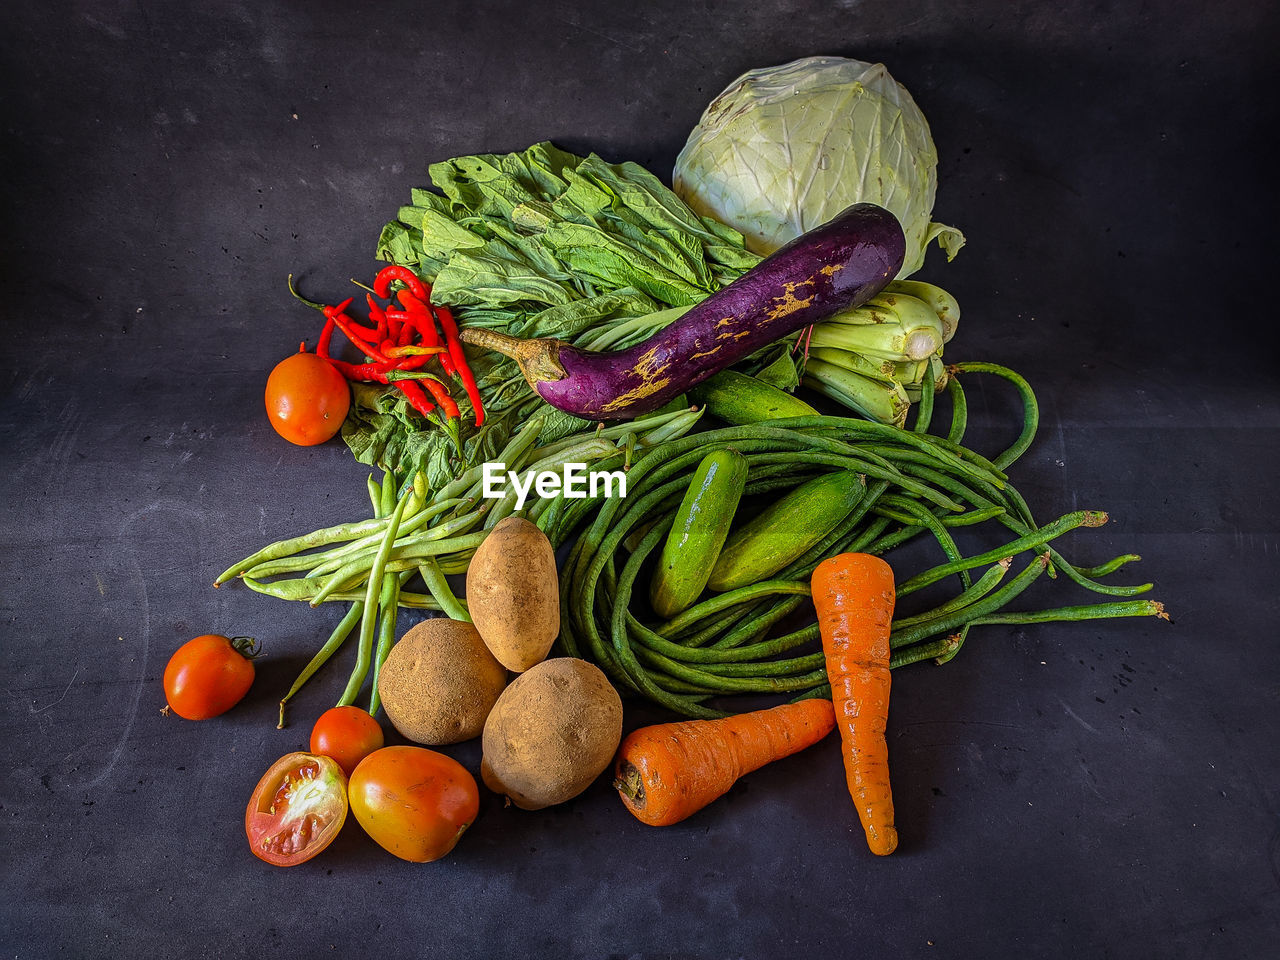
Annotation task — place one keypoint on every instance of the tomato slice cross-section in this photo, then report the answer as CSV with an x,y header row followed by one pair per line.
x,y
297,809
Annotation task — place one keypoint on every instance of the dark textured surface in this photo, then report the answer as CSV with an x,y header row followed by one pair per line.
x,y
1097,790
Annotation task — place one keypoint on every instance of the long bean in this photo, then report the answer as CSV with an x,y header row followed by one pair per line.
x,y
1064,524
388,600
372,591
329,559
988,604
1030,407
331,646
959,410
626,657
1094,611
980,588
916,513
924,406
440,590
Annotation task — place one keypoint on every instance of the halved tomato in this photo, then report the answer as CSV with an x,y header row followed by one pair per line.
x,y
297,809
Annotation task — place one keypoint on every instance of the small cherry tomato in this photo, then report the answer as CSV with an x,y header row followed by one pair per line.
x,y
307,399
414,802
296,810
209,675
347,734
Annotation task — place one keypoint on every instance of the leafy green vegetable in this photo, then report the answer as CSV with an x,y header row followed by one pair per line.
x,y
784,149
542,243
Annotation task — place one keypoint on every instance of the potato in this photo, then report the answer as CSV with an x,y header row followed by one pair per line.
x,y
439,682
513,593
552,732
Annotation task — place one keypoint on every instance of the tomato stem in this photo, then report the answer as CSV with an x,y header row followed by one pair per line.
x,y
247,647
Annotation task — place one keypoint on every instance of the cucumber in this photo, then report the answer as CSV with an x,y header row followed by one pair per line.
x,y
785,529
739,399
698,533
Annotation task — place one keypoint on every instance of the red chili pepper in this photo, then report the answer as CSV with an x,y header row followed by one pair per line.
x,y
441,393
354,332
417,399
382,282
420,322
378,373
406,299
404,337
445,316
419,310
364,372
326,338
406,322
379,318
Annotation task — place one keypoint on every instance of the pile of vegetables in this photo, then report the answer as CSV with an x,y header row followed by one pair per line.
x,y
610,321
854,486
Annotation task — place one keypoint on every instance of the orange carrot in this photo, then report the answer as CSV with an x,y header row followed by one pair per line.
x,y
854,596
670,771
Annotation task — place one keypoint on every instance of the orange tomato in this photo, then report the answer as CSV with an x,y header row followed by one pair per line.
x,y
347,734
416,803
307,399
209,675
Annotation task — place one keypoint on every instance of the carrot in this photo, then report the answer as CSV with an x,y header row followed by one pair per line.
x,y
854,596
670,771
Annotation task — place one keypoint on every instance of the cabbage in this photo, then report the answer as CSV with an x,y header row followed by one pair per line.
x,y
784,149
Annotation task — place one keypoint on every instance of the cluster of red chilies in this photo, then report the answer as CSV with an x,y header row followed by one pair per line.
x,y
401,341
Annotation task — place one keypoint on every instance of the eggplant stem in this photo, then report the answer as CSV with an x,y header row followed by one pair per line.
x,y
539,358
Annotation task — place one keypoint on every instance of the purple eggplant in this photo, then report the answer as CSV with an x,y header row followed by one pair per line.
x,y
834,267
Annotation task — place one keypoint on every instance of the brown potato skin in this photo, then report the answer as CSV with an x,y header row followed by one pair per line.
x,y
513,593
552,732
439,682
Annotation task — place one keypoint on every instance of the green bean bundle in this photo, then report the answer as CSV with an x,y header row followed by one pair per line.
x,y
916,482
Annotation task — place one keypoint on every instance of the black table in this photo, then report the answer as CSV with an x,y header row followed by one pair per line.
x,y
1105,789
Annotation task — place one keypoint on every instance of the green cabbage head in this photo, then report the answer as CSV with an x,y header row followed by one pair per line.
x,y
784,149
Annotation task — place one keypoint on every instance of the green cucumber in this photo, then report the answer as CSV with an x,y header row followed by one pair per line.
x,y
785,529
699,531
739,399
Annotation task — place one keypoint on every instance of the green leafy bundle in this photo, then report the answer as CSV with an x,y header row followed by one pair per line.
x,y
542,243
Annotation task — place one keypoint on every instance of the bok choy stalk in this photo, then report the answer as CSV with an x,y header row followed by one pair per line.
x,y
875,359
